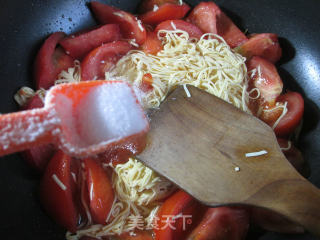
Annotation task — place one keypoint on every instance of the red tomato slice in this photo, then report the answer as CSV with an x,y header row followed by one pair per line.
x,y
265,45
130,26
204,16
101,195
270,114
82,43
115,157
230,32
37,157
210,19
173,206
102,59
34,102
195,212
193,30
50,61
56,191
167,11
291,120
152,45
150,5
222,223
146,84
138,235
269,83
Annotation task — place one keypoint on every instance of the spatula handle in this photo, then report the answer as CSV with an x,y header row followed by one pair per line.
x,y
296,199
25,129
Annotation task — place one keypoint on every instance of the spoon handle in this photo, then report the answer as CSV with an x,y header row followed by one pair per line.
x,y
25,129
297,199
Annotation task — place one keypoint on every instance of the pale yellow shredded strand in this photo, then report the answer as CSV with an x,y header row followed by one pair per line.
x,y
24,94
73,74
138,190
288,146
208,64
284,112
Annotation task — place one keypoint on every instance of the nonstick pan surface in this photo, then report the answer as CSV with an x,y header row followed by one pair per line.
x,y
25,24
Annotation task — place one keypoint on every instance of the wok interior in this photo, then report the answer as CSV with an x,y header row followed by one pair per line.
x,y
24,26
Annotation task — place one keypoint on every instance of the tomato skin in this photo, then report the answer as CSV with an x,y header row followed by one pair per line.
x,y
265,45
115,157
50,61
34,102
172,206
222,223
102,59
146,84
79,45
191,29
153,44
148,5
291,120
204,16
270,83
59,203
230,32
210,19
129,25
37,157
101,195
167,11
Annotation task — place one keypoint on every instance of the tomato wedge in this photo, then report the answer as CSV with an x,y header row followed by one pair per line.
x,y
148,5
56,191
146,84
37,157
230,32
34,102
222,223
167,11
291,120
130,26
50,61
168,228
205,16
80,44
100,190
265,45
193,30
153,44
210,19
264,76
102,59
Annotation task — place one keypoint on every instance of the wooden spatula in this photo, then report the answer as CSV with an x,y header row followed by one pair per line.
x,y
200,143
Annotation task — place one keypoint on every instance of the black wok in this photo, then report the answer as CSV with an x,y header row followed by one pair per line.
x,y
25,24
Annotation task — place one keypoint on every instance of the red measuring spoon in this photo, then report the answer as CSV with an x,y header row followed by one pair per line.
x,y
83,119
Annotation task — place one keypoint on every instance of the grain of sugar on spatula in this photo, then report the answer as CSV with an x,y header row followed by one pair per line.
x,y
222,156
83,119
